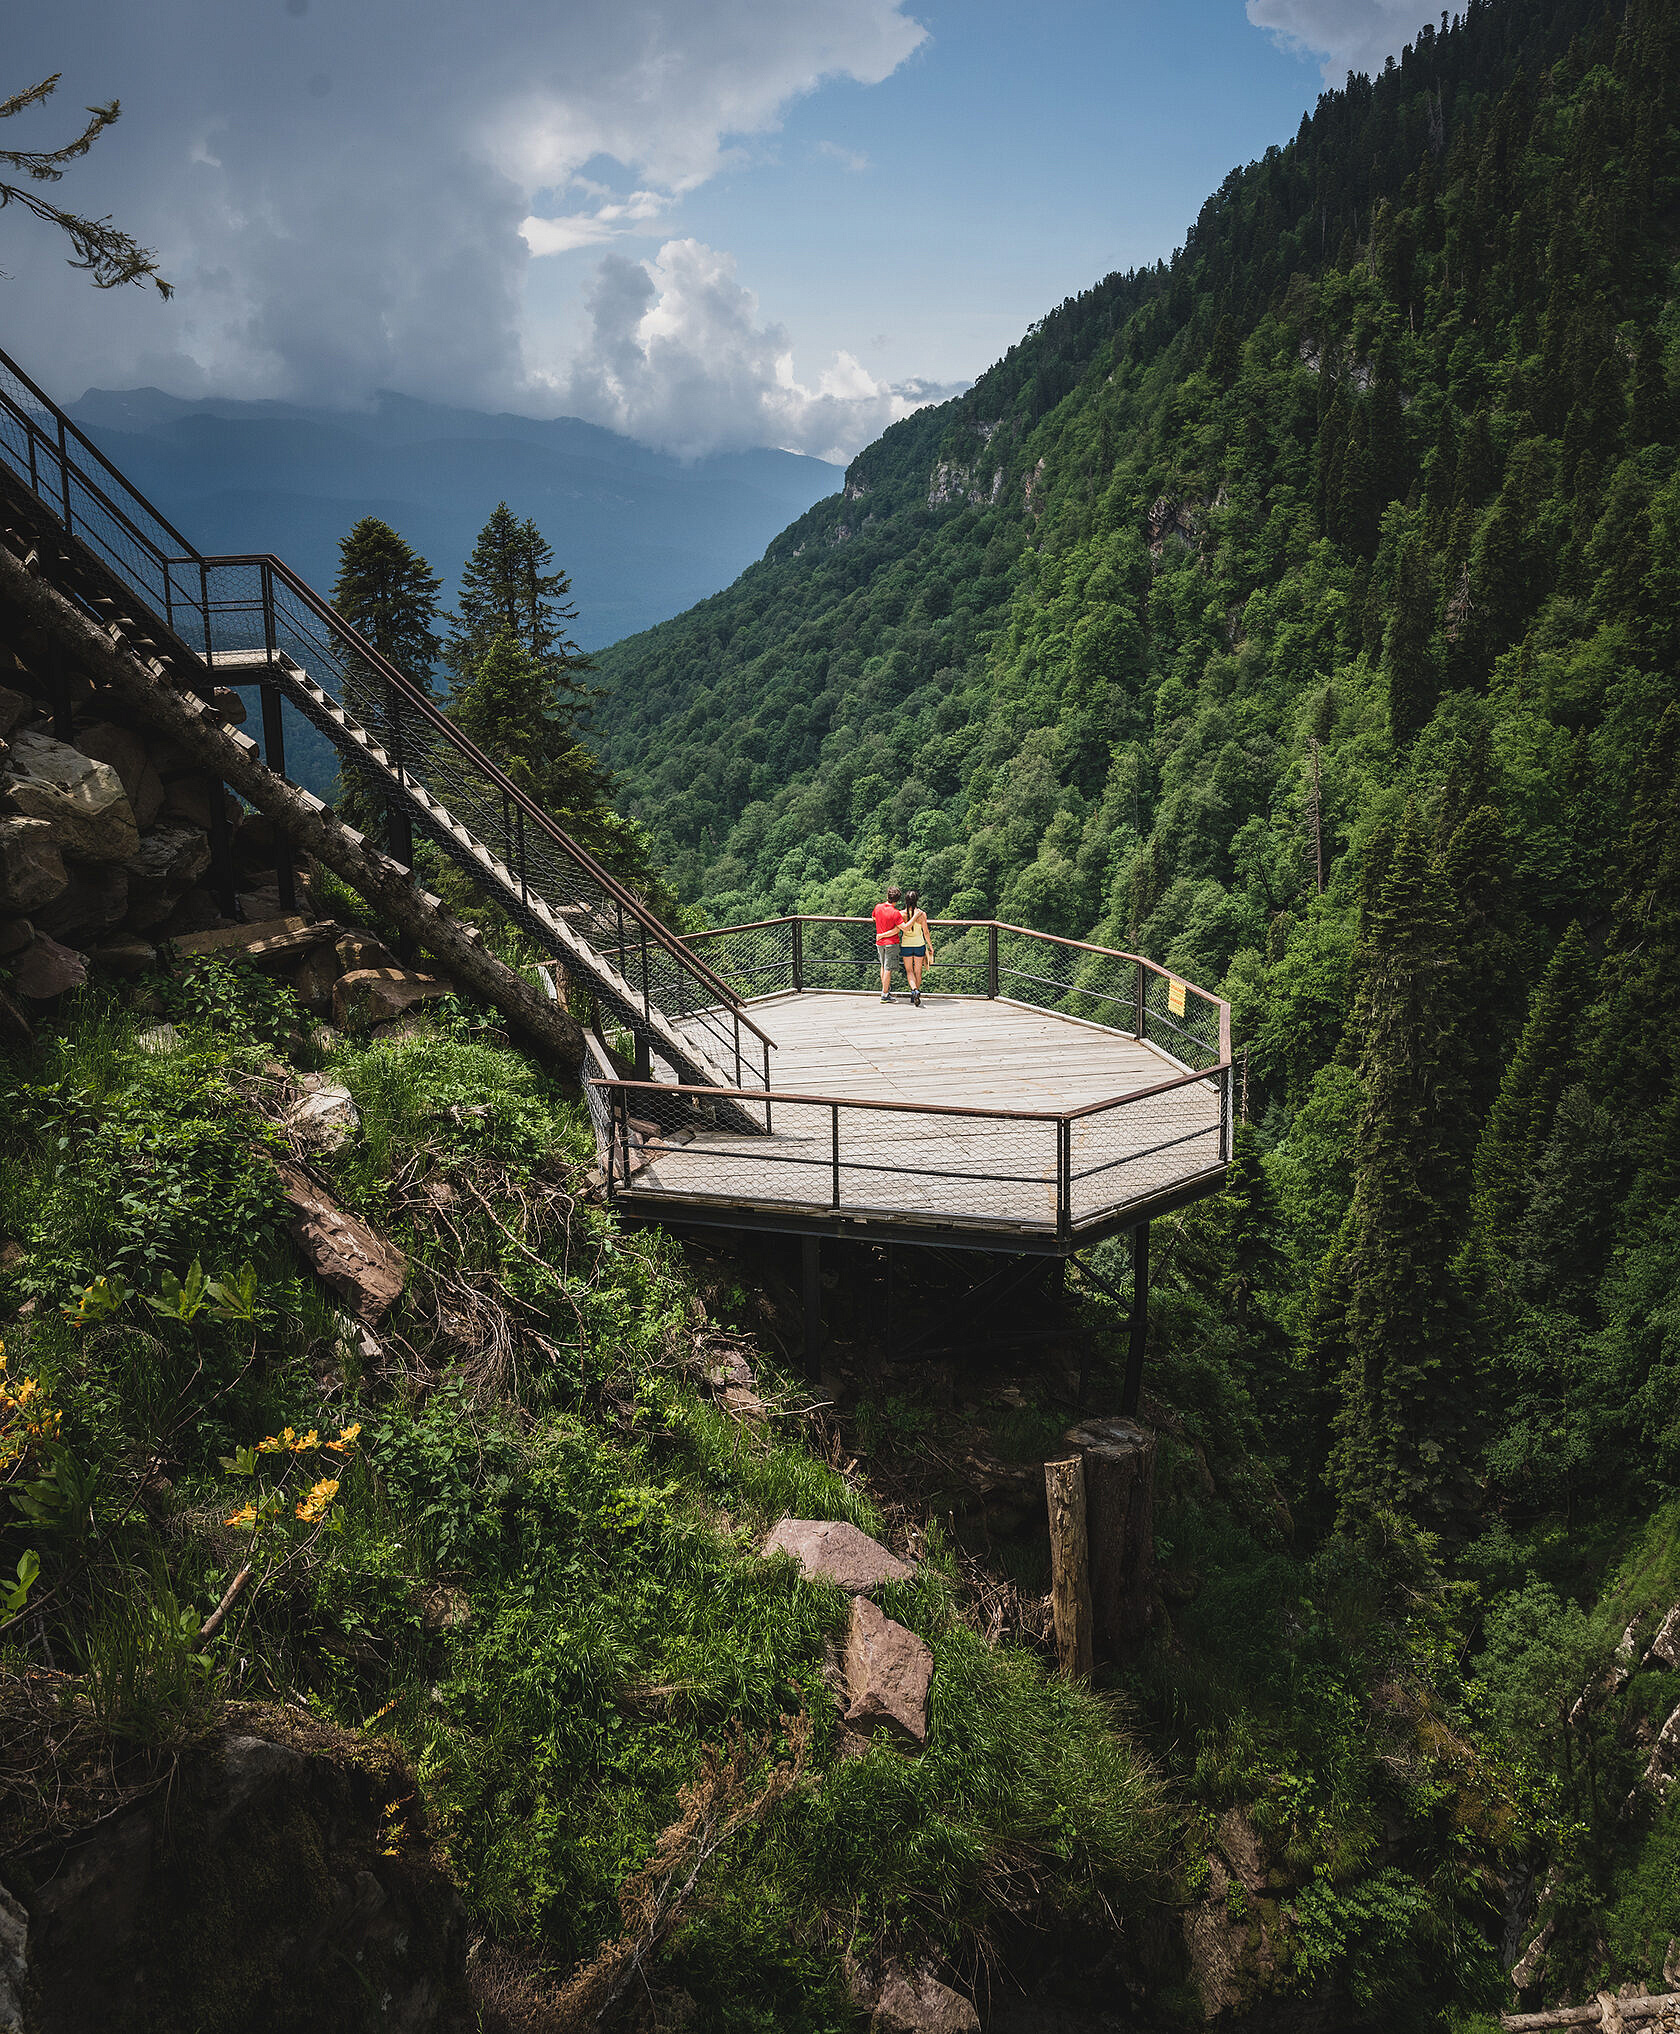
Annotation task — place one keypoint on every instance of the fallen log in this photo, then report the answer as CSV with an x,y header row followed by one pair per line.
x,y
1604,2011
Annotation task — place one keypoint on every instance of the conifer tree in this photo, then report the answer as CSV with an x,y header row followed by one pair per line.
x,y
1409,656
1638,1017
1401,1392
507,584
388,594
1521,1118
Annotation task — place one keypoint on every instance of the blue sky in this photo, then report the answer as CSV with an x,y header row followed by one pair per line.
x,y
705,222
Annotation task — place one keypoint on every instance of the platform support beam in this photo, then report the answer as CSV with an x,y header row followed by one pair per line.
x,y
810,1250
1139,1325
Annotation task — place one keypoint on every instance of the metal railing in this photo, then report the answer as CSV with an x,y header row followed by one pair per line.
x,y
1056,1171
393,732
983,957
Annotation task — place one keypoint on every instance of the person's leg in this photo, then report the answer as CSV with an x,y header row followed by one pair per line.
x,y
885,953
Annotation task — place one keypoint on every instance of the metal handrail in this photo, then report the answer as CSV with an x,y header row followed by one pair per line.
x,y
413,698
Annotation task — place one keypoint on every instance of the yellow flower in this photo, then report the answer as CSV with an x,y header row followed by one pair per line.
x,y
314,1505
277,1444
245,1517
310,1440
346,1439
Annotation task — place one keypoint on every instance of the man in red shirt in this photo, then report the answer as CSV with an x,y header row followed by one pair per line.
x,y
888,918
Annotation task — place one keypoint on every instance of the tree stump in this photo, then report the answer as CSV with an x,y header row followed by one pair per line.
x,y
1119,1459
1070,1576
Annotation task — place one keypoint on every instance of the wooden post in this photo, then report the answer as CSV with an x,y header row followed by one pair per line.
x,y
1070,1576
810,1249
1119,1466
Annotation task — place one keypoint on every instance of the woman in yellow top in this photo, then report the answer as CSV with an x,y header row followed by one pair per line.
x,y
915,944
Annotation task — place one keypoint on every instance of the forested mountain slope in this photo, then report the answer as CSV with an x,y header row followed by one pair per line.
x,y
1365,507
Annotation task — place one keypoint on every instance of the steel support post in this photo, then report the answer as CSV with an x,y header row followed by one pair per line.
x,y
274,755
1139,1324
798,954
811,1265
992,960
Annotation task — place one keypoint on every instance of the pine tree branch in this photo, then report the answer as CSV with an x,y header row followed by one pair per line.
x,y
104,251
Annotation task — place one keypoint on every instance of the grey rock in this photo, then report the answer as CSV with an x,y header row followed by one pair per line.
x,y
164,865
126,752
83,799
15,935
159,1041
830,1550
326,1119
15,709
378,995
94,900
14,1963
888,1673
48,970
32,871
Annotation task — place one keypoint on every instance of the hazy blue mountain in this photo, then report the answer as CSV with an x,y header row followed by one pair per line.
x,y
643,535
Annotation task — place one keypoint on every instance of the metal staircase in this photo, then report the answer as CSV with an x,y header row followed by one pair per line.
x,y
243,621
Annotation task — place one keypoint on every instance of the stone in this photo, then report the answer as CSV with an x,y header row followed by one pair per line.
x,y
84,800
197,911
377,995
186,800
313,979
888,1672
126,752
256,907
743,1402
32,871
166,864
126,957
326,1120
47,970
15,935
915,2002
14,1963
344,1251
94,900
229,705
357,949
15,709
830,1550
160,1041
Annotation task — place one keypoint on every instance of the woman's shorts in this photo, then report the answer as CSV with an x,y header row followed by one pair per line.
x,y
911,952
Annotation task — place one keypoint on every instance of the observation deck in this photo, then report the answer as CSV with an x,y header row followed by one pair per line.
x,y
1045,1093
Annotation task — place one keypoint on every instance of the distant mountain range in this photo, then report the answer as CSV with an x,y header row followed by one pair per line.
x,y
642,534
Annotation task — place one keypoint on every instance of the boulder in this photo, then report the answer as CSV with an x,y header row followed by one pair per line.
x,y
345,1253
160,1041
125,750
313,979
83,799
830,1550
32,871
15,709
94,900
357,949
197,911
915,2002
123,957
888,1672
166,863
326,1120
47,969
15,935
377,995
186,800
229,705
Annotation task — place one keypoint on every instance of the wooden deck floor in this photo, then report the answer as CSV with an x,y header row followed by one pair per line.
x,y
962,1052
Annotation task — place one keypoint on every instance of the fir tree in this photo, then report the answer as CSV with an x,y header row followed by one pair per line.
x,y
388,593
1520,1121
1401,1393
507,584
1638,1016
1409,656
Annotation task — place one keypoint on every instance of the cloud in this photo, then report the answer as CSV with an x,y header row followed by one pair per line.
x,y
1348,35
351,198
849,158
678,358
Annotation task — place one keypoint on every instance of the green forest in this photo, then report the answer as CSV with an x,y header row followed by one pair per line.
x,y
1302,613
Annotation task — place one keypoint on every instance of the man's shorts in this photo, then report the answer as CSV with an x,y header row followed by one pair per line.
x,y
885,949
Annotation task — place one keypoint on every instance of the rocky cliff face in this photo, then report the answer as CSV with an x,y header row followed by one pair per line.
x,y
279,1878
105,838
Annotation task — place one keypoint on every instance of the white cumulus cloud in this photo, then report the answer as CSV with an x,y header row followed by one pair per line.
x,y
678,358
1347,35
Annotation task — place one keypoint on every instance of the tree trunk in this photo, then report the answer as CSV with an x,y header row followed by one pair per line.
x,y
1070,1577
1119,1458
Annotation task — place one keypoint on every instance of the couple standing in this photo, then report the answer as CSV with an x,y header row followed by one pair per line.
x,y
906,934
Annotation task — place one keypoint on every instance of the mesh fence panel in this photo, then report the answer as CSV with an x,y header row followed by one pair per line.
x,y
1135,1148
1191,1034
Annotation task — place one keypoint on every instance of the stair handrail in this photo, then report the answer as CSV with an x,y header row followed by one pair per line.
x,y
412,695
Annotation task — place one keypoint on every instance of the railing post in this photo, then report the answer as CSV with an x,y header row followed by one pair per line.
x,y
834,1131
737,1020
1138,1326
647,999
992,960
1225,1115
1064,1176
766,1047
798,955
64,474
274,745
1140,1006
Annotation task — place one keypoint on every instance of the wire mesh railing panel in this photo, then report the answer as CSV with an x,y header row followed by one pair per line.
x,y
1140,1146
1182,1020
835,1156
839,953
755,960
961,963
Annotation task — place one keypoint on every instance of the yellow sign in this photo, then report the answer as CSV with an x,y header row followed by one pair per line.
x,y
1175,998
